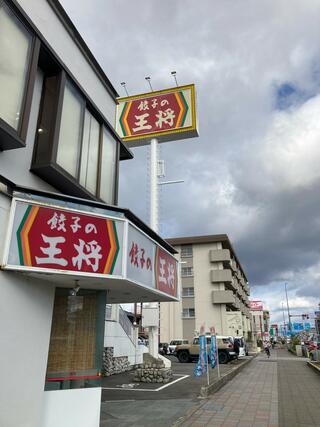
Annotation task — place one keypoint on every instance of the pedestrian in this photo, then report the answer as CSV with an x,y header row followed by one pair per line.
x,y
267,348
236,347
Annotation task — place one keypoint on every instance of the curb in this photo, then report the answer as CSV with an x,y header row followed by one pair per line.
x,y
205,391
313,366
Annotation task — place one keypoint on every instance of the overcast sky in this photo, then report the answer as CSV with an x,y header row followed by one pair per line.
x,y
254,172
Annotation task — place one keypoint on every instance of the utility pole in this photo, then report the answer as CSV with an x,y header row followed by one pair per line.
x,y
289,325
284,321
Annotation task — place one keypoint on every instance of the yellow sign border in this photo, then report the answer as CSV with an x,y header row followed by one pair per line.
x,y
160,92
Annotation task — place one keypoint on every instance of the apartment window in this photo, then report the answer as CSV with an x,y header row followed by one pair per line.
x,y
74,150
186,271
17,49
186,251
188,292
188,312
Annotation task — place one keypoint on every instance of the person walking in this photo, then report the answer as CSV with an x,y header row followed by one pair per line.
x,y
267,348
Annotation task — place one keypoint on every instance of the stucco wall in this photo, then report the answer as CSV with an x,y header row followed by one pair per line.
x,y
26,306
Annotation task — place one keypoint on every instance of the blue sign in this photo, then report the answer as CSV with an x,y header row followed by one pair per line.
x,y
297,326
307,326
213,351
202,364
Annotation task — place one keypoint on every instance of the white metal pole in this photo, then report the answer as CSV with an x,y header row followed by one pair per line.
x,y
154,224
154,220
217,350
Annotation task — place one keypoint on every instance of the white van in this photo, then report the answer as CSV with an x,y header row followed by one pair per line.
x,y
173,344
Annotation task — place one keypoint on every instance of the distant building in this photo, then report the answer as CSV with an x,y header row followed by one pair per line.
x,y
214,290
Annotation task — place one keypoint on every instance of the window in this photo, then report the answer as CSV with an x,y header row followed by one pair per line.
x,y
186,271
70,130
188,292
188,312
74,150
186,251
17,49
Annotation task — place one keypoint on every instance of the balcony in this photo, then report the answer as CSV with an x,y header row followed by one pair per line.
x,y
223,297
219,255
221,276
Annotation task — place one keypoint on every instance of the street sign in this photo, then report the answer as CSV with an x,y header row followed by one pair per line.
x,y
165,114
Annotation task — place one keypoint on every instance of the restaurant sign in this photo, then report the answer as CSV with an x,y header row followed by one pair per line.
x,y
166,115
256,305
50,239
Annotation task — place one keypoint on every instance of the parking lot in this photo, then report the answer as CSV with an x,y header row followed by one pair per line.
x,y
127,403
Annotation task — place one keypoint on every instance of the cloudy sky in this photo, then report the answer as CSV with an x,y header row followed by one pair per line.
x,y
254,172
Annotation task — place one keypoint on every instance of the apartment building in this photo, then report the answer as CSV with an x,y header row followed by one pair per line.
x,y
214,290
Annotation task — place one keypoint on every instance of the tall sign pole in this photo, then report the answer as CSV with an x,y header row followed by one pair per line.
x,y
149,119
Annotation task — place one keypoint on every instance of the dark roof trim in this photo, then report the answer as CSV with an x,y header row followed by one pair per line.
x,y
223,238
12,187
76,36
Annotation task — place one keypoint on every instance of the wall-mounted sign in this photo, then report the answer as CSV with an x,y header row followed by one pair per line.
x,y
45,238
166,272
166,115
256,305
51,238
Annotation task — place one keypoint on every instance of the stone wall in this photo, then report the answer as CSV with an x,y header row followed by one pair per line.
x,y
152,371
114,365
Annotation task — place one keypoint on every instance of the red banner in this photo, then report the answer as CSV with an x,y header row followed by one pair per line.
x,y
58,239
166,272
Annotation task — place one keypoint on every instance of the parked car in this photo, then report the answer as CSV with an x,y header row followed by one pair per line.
x,y
173,344
190,352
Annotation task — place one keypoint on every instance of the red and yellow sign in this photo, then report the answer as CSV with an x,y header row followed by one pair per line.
x,y
166,115
58,239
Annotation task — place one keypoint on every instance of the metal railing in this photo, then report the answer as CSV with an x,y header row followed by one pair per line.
x,y
126,324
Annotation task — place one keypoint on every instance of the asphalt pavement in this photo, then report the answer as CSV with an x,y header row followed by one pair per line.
x,y
125,403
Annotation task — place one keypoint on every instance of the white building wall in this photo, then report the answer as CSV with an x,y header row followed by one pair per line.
x,y
207,314
26,306
45,19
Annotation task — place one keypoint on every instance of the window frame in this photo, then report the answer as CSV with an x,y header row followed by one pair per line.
x,y
189,295
186,247
49,169
188,316
11,138
187,275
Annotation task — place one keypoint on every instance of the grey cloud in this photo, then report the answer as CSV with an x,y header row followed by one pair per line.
x,y
236,53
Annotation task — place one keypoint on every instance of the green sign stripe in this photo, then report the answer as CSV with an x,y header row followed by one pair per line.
x,y
24,219
186,107
118,247
121,121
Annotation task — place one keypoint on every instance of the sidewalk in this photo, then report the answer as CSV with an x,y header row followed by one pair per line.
x,y
278,392
249,400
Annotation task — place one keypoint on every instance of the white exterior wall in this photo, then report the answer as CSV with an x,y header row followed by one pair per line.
x,y
26,306
115,336
207,313
45,19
